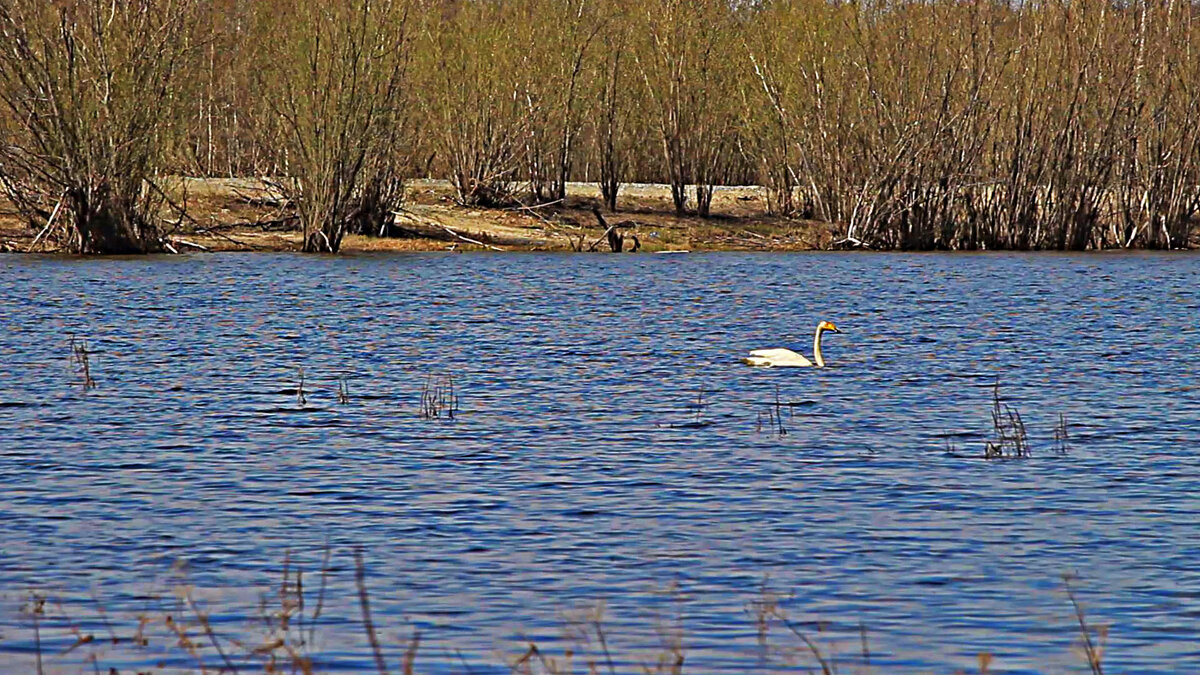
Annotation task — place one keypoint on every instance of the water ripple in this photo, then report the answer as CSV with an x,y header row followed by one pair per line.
x,y
609,446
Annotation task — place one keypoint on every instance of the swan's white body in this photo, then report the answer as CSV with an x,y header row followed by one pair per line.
x,y
786,358
778,358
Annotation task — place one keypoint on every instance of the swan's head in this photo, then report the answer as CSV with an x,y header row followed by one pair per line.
x,y
826,325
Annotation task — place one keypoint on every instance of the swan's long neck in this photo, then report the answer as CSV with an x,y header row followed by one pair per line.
x,y
817,348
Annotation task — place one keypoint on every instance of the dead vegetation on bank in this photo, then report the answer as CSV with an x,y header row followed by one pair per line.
x,y
1057,125
246,215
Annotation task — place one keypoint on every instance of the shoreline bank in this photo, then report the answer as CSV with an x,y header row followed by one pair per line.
x,y
241,214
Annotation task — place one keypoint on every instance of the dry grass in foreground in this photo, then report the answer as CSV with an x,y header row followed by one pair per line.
x,y
179,635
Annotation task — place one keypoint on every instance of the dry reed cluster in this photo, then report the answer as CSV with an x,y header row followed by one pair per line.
x,y
911,125
176,632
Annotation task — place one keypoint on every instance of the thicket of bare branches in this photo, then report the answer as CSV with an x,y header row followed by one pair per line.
x,y
92,93
688,70
1052,125
1058,124
333,84
471,79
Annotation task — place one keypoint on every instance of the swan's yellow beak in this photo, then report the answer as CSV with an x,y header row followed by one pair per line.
x,y
830,327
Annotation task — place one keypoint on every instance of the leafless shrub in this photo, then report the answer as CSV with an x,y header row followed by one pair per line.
x,y
334,86
471,62
912,125
611,112
1027,126
685,63
91,95
561,36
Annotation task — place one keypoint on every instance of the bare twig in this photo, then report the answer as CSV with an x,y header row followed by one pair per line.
x,y
360,576
1093,653
208,632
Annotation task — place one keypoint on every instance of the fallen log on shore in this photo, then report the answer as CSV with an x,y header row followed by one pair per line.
x,y
429,228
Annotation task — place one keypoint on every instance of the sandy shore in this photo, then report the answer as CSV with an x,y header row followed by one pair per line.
x,y
242,215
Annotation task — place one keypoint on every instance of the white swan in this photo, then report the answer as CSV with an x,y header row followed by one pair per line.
x,y
784,358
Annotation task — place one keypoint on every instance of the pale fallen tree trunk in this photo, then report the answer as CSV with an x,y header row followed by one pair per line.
x,y
429,228
49,224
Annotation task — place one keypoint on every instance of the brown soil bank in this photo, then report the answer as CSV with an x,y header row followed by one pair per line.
x,y
240,215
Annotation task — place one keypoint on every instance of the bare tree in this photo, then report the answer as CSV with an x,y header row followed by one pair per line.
x,y
336,100
91,88
685,64
470,61
560,35
609,117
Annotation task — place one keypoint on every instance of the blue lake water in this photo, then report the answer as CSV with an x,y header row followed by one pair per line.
x,y
580,468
